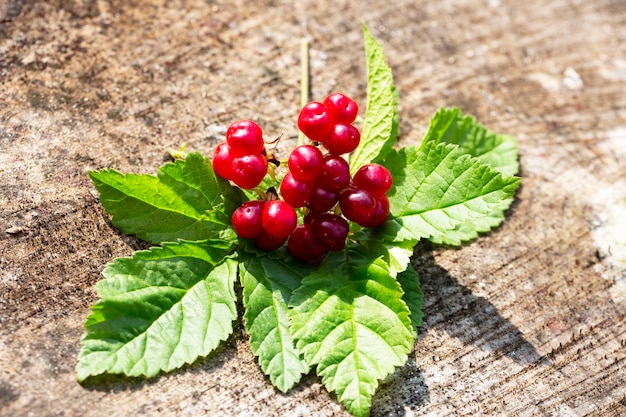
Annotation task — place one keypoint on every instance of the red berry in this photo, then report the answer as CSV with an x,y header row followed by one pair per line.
x,y
303,245
314,121
295,192
248,170
322,200
246,219
374,178
279,219
380,213
305,162
269,242
335,174
341,108
330,230
343,138
357,205
223,161
245,137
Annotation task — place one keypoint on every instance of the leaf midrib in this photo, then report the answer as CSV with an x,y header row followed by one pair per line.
x,y
167,209
454,204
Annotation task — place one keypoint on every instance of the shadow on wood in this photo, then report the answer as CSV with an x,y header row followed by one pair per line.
x,y
452,307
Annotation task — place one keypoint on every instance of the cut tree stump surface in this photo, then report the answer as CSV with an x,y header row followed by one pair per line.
x,y
526,321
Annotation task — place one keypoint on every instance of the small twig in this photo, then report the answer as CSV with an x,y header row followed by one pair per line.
x,y
304,79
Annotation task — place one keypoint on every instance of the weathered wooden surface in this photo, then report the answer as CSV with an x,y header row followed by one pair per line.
x,y
527,321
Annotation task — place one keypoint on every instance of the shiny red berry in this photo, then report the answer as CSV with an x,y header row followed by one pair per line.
x,y
279,219
246,219
269,242
341,108
357,205
322,200
305,162
295,192
223,161
335,174
303,245
314,121
331,230
380,213
248,170
374,178
245,137
343,138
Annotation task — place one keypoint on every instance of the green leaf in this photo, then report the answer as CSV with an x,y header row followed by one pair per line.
x,y
348,318
160,309
498,151
186,201
438,188
395,254
267,286
413,296
194,180
380,132
470,229
451,126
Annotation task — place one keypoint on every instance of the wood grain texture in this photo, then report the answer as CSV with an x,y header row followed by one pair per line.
x,y
526,321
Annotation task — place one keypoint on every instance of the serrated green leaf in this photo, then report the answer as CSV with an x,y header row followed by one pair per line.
x,y
470,229
185,201
267,287
395,254
348,318
413,296
160,309
451,126
438,188
380,131
194,180
497,151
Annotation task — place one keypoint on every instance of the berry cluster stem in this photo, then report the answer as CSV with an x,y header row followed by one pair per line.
x,y
304,79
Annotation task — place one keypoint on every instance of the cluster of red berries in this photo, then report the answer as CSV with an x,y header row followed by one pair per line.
x,y
316,182
241,159
330,123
